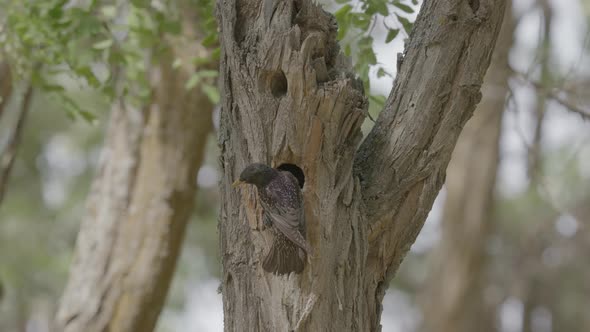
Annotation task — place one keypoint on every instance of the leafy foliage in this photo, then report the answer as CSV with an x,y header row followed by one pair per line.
x,y
208,26
106,46
357,21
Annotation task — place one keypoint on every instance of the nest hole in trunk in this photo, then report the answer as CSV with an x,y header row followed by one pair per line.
x,y
296,171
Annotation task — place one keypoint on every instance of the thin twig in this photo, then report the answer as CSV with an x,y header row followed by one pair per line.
x,y
584,113
555,95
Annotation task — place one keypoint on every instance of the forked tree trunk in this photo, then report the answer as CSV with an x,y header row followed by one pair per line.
x,y
454,300
289,97
138,207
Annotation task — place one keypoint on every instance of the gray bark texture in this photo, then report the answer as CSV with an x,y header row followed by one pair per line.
x,y
289,96
139,205
454,299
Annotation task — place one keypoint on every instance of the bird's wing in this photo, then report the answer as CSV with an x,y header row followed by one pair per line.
x,y
286,210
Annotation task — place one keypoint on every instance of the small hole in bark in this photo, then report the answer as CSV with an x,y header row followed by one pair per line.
x,y
453,17
296,171
278,84
228,282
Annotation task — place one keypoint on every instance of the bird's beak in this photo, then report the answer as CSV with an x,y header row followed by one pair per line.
x,y
238,182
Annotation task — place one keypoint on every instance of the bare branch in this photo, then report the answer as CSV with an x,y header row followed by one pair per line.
x,y
558,96
534,157
403,160
584,113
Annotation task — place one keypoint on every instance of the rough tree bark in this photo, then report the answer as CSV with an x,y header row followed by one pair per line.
x,y
454,299
139,205
289,97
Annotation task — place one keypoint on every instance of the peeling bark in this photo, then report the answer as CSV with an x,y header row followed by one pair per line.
x,y
454,299
138,208
360,223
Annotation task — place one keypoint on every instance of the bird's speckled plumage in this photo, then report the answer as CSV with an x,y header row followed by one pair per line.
x,y
282,201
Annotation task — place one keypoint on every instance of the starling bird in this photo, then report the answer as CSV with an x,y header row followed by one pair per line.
x,y
281,199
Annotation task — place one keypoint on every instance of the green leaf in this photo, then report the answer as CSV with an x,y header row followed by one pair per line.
x,y
371,57
405,23
211,93
109,11
215,54
88,116
52,87
208,73
172,27
391,35
141,3
379,100
361,20
381,7
347,50
366,42
192,81
342,30
342,12
177,63
381,72
101,45
87,73
199,61
57,11
403,7
209,40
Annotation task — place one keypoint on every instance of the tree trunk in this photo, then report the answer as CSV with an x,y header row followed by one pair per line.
x,y
138,207
289,97
454,301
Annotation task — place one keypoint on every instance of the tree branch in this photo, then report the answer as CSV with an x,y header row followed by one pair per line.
x,y
5,86
534,157
402,162
8,154
556,95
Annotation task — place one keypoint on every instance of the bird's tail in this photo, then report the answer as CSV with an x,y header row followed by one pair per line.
x,y
284,257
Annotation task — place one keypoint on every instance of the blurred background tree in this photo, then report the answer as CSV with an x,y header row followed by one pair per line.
x,y
532,273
